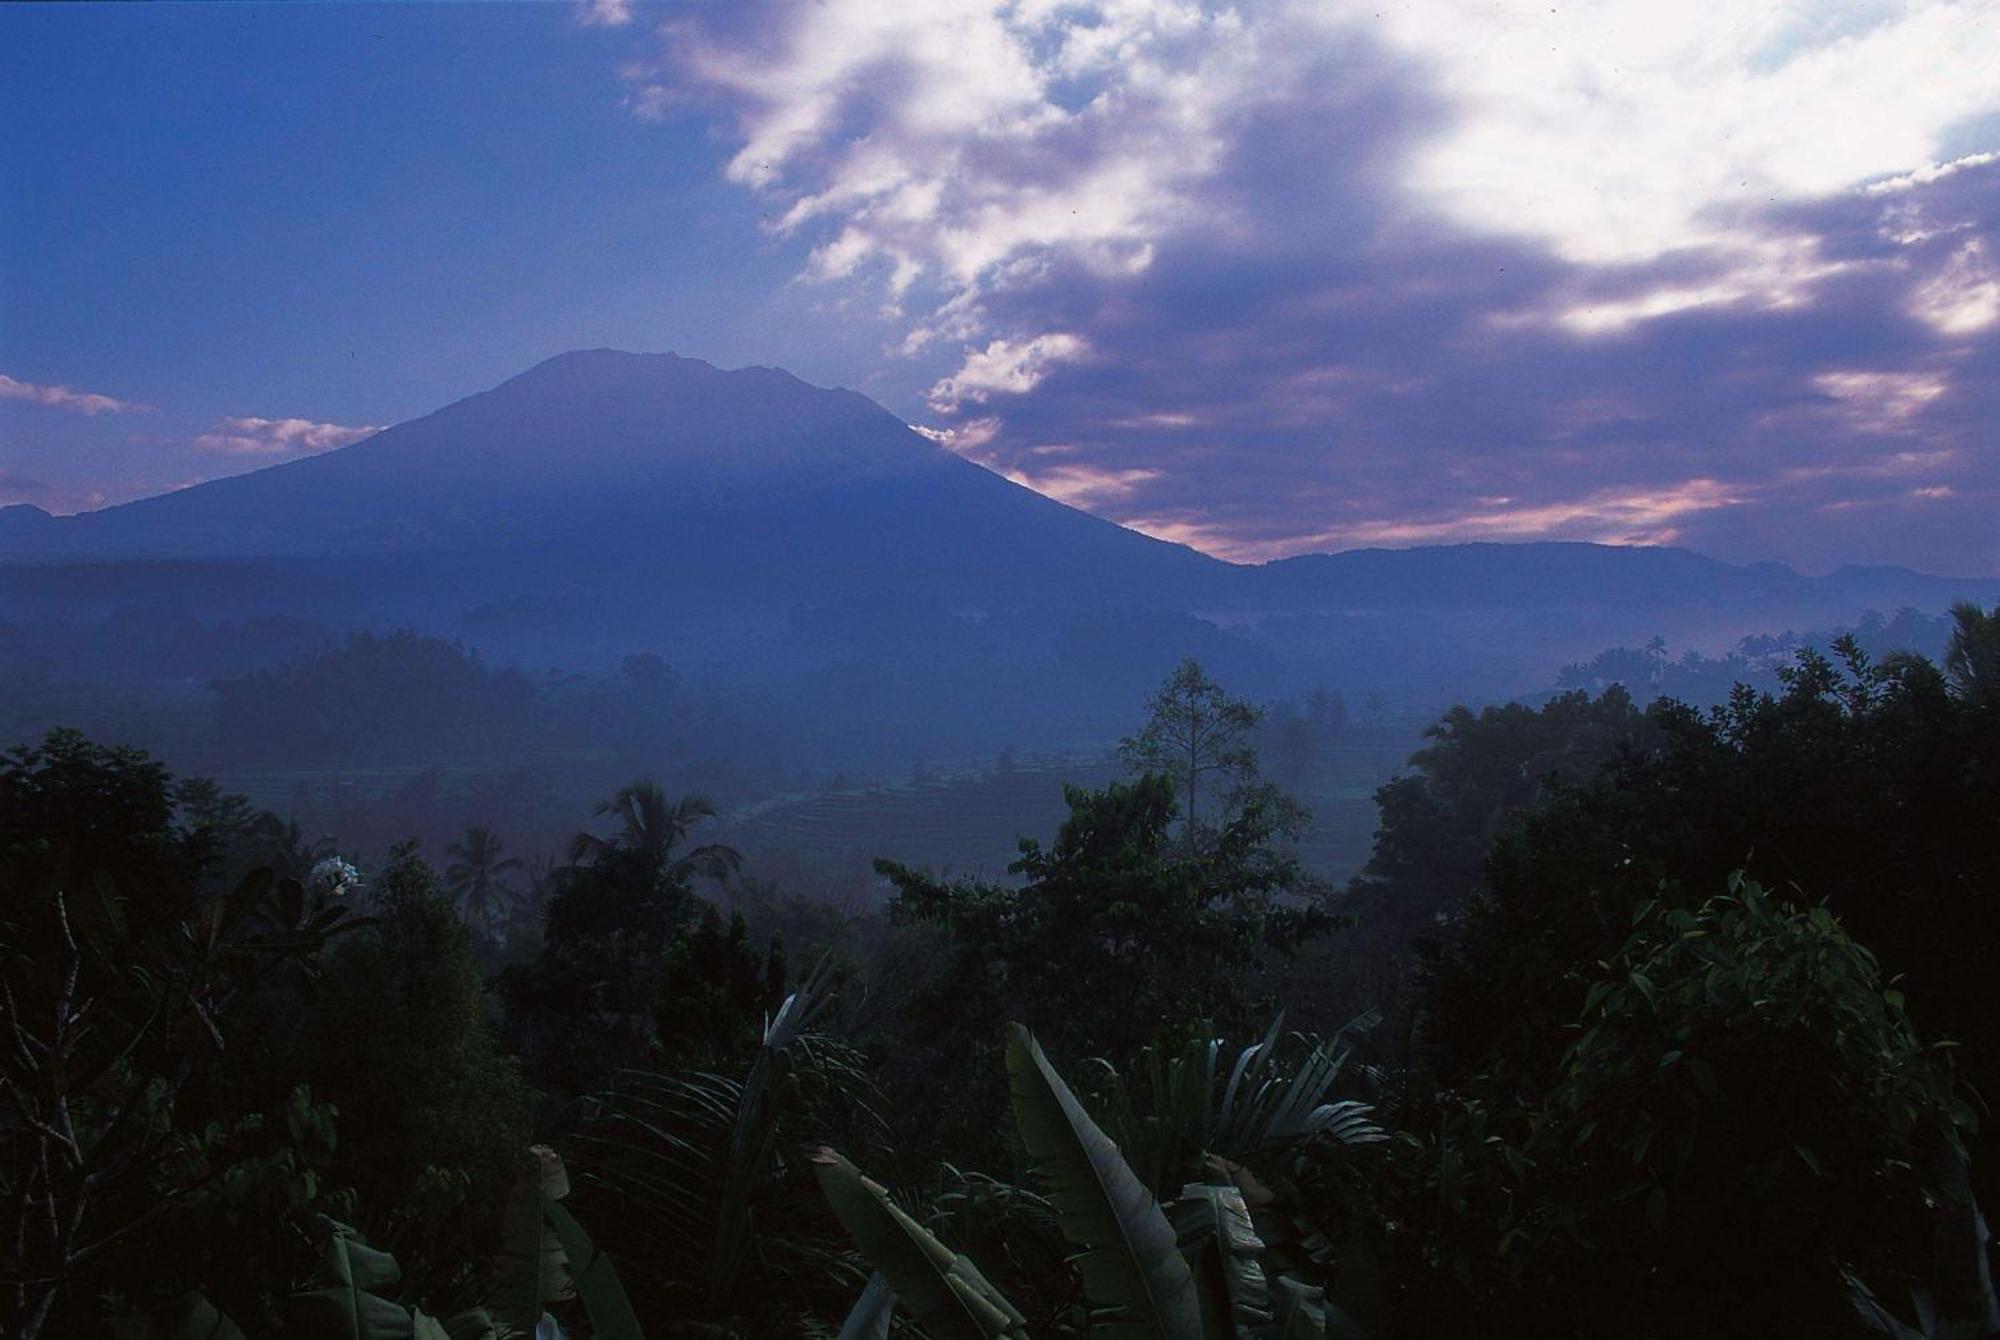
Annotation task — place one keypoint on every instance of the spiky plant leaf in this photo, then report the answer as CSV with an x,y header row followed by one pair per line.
x,y
941,1289
1132,1268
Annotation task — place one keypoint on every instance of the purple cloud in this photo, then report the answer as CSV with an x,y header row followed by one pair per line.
x,y
1292,277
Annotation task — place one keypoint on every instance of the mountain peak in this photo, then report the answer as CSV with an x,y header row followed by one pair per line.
x,y
586,439
619,370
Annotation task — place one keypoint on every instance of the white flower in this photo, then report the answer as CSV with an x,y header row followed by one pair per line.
x,y
333,877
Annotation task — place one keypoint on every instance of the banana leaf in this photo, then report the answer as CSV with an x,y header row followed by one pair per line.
x,y
1223,1250
940,1288
529,1270
1133,1271
872,1312
753,1136
346,1303
1303,1314
190,1317
611,1315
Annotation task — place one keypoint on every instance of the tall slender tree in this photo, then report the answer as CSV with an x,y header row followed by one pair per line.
x,y
1198,737
477,878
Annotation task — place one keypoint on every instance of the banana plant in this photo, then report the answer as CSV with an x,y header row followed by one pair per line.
x,y
546,1256
1196,1276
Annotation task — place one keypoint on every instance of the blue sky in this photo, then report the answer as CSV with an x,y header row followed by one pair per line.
x,y
1266,278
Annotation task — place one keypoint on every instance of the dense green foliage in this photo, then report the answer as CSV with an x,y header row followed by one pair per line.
x,y
1117,932
1686,1029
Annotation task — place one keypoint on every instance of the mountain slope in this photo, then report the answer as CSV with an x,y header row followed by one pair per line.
x,y
604,495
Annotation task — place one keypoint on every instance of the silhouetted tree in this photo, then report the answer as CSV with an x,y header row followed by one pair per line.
x,y
476,878
585,1005
1198,737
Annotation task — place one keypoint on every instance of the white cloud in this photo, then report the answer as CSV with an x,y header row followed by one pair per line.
x,y
1881,402
604,13
1622,130
66,398
1005,367
959,143
1647,515
965,439
1962,298
1924,176
966,144
274,437
1083,486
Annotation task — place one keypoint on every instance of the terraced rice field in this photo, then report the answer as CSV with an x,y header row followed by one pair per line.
x,y
971,821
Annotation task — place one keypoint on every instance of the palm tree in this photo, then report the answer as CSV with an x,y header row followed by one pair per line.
x,y
652,827
1972,659
475,877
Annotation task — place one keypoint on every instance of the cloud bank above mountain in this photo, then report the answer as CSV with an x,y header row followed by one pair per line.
x,y
1278,277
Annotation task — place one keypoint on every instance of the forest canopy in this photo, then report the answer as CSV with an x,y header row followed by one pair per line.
x,y
1640,1020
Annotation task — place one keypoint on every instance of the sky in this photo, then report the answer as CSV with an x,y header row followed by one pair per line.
x,y
1265,278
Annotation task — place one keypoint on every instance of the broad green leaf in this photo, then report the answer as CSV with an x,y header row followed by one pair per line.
x,y
190,1317
940,1289
1303,1313
872,1313
611,1315
1132,1267
753,1135
529,1267
474,1324
1222,1250
345,1303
